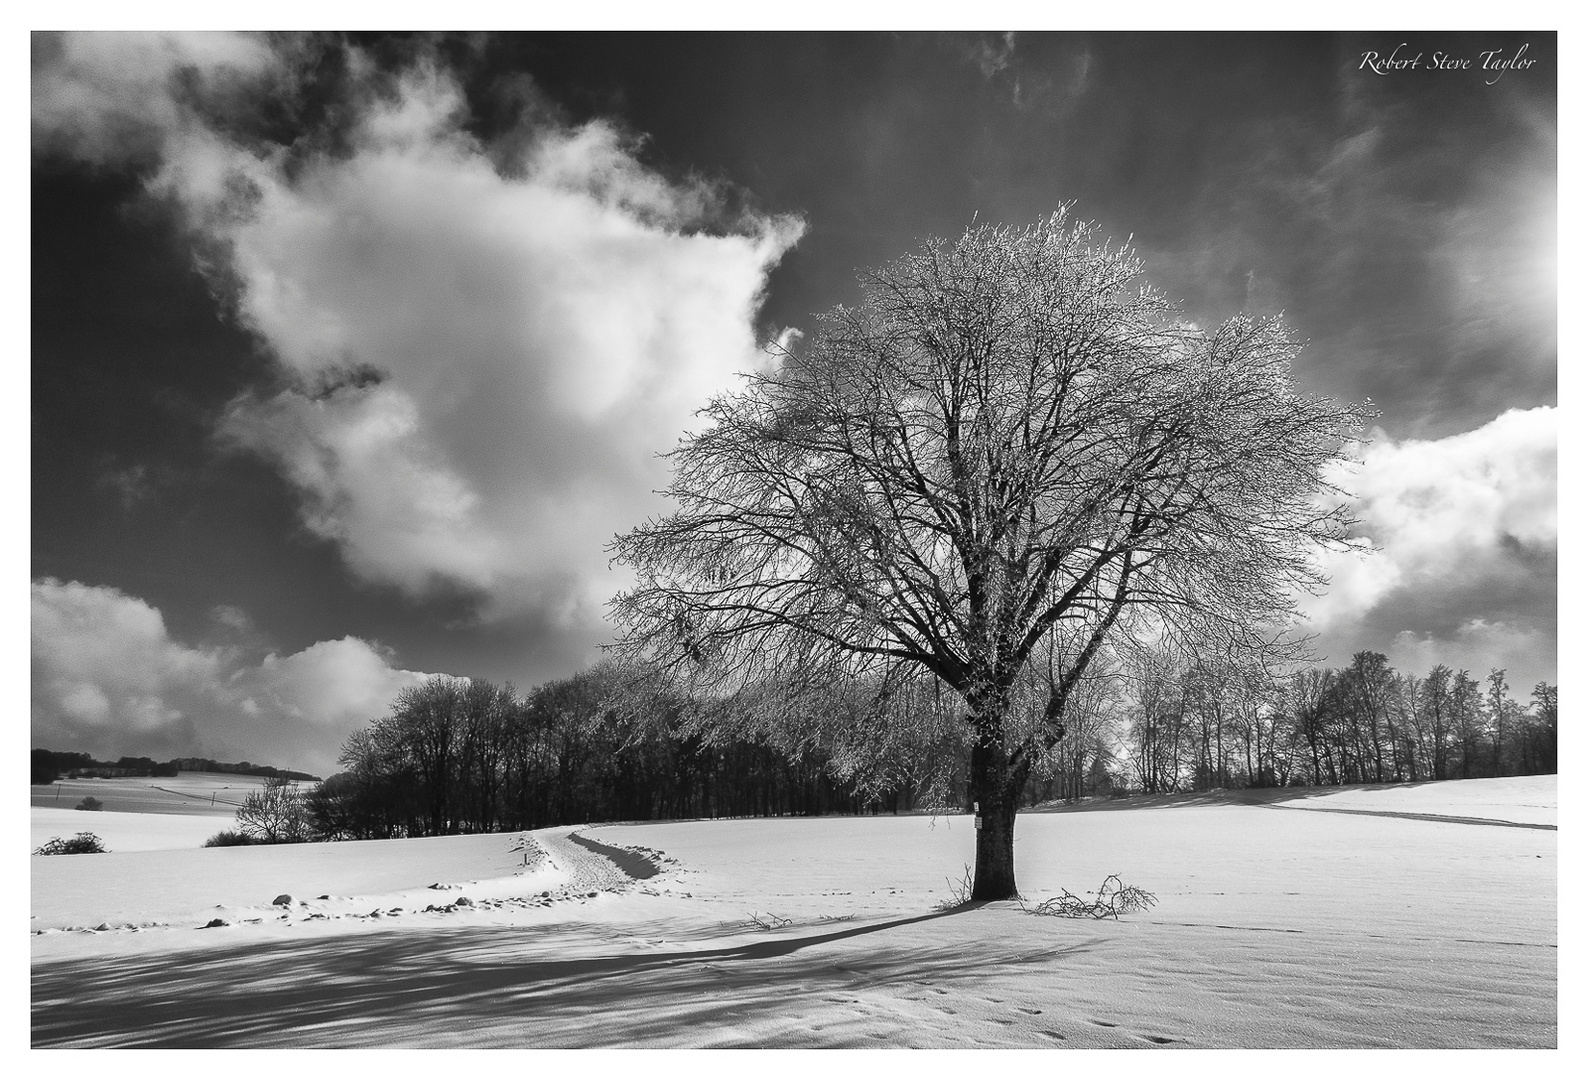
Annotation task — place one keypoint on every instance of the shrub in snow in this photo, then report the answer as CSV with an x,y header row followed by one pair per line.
x,y
90,803
1114,898
84,843
230,838
275,814
958,892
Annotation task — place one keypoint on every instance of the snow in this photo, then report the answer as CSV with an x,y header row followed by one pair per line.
x,y
1275,927
1510,798
127,832
192,793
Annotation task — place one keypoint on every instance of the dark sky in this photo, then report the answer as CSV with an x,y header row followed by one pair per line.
x,y
347,355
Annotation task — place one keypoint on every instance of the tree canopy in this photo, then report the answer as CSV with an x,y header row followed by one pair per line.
x,y
1008,454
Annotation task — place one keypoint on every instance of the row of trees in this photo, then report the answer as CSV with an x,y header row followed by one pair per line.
x,y
466,755
49,766
459,755
1194,725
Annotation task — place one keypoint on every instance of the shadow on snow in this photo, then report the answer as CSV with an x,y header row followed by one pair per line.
x,y
465,986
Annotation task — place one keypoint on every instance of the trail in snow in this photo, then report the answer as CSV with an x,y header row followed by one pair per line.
x,y
592,865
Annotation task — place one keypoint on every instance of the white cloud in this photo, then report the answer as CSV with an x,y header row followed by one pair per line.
x,y
109,679
105,96
545,316
1465,531
1446,511
1477,647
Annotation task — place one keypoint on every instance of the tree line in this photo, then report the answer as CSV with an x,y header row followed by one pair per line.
x,y
1194,724
49,766
457,755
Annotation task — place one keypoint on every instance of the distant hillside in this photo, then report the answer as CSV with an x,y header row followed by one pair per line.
x,y
49,766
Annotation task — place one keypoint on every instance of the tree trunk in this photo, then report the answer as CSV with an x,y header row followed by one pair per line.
x,y
995,791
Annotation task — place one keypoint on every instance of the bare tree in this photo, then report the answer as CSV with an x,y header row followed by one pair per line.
x,y
1436,701
275,814
1498,705
1009,441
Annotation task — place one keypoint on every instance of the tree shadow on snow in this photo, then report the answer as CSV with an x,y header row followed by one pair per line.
x,y
466,987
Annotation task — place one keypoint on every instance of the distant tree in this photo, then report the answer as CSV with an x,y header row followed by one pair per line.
x,y
1436,706
1466,711
50,765
1546,699
1498,705
1009,441
90,803
275,813
427,728
1307,696
44,769
336,811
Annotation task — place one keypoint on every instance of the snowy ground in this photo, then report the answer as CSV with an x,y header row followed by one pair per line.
x,y
194,793
1423,916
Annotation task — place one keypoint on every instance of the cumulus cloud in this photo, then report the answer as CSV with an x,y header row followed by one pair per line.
x,y
1463,532
487,346
105,97
1525,653
109,679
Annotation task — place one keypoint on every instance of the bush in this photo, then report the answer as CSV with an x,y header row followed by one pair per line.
x,y
275,814
90,803
84,843
231,838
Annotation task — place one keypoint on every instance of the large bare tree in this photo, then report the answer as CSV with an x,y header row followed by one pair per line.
x,y
1009,452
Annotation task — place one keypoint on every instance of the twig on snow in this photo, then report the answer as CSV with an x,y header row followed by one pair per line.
x,y
1114,898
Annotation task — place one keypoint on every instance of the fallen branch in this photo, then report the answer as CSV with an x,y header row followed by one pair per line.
x,y
1114,898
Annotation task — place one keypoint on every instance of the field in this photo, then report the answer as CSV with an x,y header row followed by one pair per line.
x,y
1396,916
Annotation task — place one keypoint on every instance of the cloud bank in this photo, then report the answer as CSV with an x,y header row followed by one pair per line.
x,y
109,679
1464,568
484,347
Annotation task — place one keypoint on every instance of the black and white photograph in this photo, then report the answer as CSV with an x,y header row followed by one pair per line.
x,y
793,539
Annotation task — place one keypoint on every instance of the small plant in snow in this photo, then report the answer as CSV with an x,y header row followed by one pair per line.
x,y
84,843
958,894
1114,898
769,921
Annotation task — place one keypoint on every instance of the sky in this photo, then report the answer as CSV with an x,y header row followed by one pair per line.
x,y
350,354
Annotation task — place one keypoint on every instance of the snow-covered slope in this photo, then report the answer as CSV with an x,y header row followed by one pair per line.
x,y
1274,927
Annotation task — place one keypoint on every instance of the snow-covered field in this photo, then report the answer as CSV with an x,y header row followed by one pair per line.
x,y
1420,916
195,793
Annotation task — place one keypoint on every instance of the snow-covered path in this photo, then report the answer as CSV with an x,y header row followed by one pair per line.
x,y
587,868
